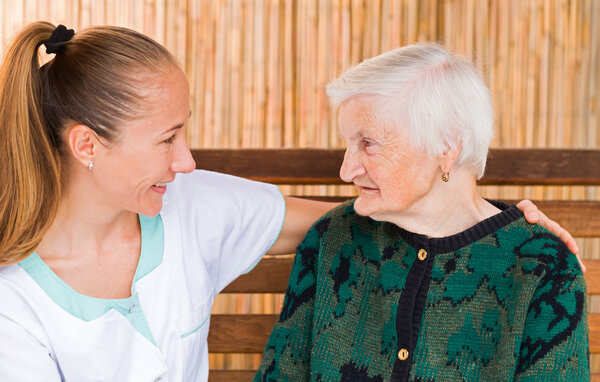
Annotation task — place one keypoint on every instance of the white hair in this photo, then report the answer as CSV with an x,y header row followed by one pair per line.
x,y
440,99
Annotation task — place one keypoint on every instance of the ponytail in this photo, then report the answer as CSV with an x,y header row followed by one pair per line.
x,y
94,79
29,163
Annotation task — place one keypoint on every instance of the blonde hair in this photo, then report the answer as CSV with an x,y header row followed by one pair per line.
x,y
93,80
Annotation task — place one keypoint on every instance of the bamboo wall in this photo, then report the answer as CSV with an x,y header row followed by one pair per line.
x,y
257,70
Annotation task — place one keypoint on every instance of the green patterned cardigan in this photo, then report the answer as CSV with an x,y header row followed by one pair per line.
x,y
368,301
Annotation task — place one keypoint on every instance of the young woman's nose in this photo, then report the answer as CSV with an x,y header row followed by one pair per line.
x,y
182,158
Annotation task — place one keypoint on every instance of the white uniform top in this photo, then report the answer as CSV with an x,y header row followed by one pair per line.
x,y
211,229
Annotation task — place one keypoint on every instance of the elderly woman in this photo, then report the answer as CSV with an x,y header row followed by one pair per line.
x,y
420,278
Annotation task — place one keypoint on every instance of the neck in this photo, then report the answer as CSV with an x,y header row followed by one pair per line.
x,y
448,208
85,224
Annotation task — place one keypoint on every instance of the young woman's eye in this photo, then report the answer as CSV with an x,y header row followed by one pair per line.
x,y
170,139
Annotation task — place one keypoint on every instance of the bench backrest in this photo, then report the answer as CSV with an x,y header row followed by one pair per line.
x,y
248,333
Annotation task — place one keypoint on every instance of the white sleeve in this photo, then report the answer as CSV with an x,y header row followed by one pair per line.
x,y
232,221
22,357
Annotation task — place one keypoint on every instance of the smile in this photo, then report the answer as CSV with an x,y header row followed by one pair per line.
x,y
159,188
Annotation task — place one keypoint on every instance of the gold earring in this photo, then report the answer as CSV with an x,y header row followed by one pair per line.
x,y
445,176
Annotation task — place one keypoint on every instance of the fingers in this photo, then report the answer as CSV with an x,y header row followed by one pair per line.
x,y
530,210
559,231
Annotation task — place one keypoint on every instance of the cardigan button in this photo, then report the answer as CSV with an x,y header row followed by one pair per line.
x,y
403,355
422,254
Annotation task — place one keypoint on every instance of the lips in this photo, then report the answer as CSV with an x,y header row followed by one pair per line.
x,y
160,187
365,188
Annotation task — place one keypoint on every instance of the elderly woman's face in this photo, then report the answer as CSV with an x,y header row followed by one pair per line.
x,y
389,173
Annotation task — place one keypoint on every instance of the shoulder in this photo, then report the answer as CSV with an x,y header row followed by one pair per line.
x,y
18,293
212,183
339,225
219,193
344,211
10,277
338,220
346,215
556,311
540,251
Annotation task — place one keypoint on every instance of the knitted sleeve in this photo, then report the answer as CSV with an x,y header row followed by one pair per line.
x,y
554,346
288,351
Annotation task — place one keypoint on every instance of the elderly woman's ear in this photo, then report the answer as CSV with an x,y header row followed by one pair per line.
x,y
448,159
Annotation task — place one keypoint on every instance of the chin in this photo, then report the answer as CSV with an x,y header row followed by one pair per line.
x,y
363,207
374,209
151,211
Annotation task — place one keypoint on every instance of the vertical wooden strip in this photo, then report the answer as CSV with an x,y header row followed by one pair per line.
x,y
336,32
322,65
217,125
275,77
288,74
259,74
224,67
593,126
356,31
148,15
469,29
209,75
302,30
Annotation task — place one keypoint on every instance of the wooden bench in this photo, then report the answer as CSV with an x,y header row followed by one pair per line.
x,y
248,333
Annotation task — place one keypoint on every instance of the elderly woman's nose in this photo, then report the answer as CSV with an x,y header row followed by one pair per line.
x,y
351,168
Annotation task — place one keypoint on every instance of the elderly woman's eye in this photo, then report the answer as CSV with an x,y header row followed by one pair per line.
x,y
368,143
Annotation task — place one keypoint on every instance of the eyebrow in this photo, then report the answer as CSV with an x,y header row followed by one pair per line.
x,y
357,135
179,126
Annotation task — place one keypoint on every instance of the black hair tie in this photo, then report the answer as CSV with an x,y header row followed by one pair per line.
x,y
58,39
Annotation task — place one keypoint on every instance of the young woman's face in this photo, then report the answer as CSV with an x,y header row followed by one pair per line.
x,y
133,172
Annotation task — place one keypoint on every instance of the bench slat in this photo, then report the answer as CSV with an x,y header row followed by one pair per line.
x,y
579,217
321,166
271,276
248,333
217,375
543,166
240,333
222,375
592,276
594,334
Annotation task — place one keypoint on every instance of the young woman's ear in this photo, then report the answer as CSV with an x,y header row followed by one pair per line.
x,y
83,144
